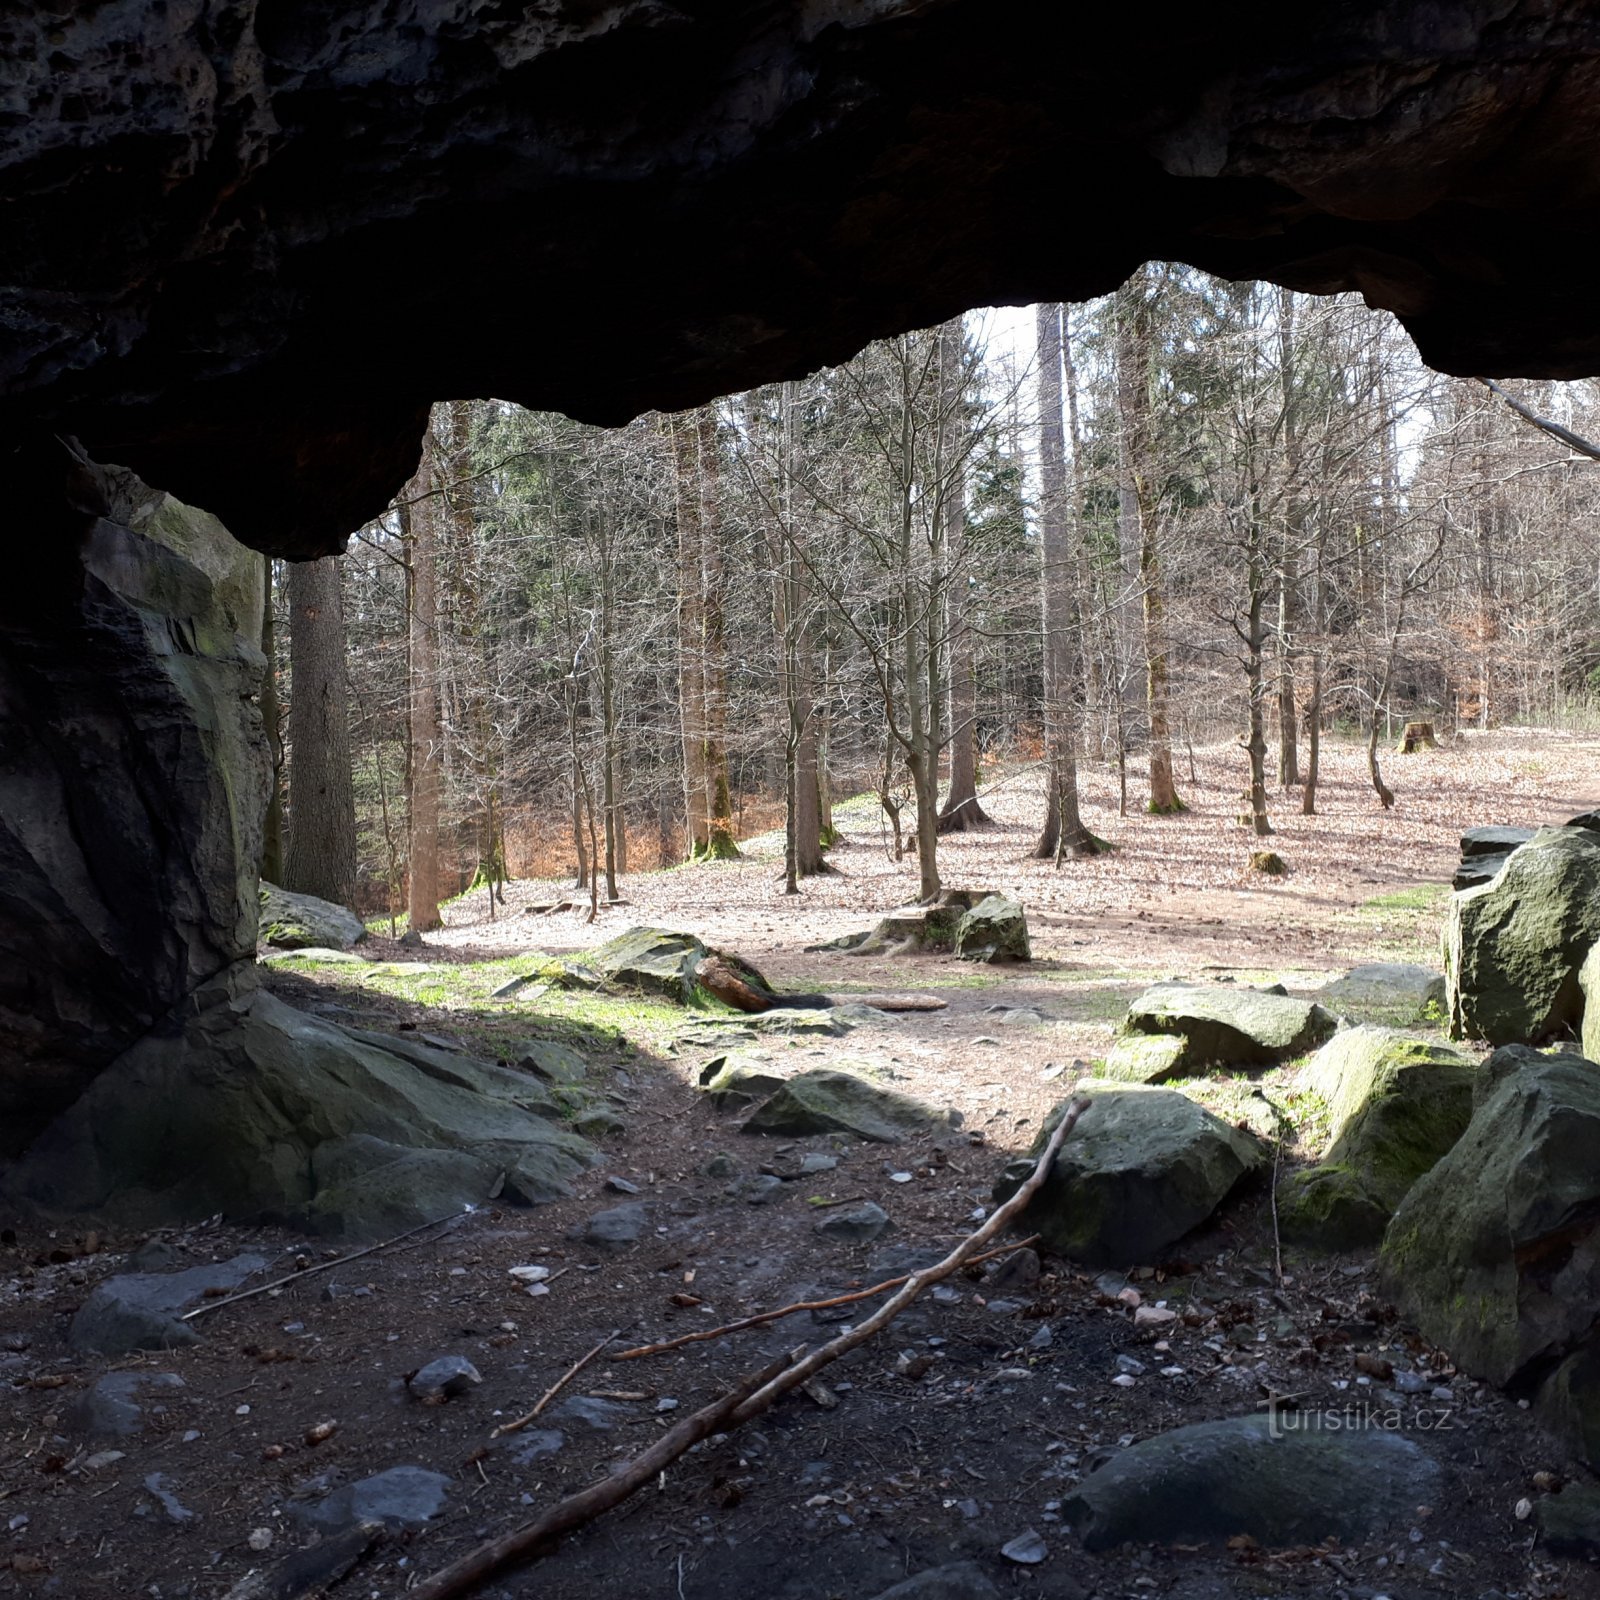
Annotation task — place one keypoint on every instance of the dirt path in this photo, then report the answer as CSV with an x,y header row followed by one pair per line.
x,y
911,1468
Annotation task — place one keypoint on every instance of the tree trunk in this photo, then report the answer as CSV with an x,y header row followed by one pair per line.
x,y
1288,566
1256,738
420,523
322,820
961,813
1308,795
1064,832
1139,501
271,720
720,843
691,641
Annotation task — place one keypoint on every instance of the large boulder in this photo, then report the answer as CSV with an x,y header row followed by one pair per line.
x,y
1227,1024
826,1101
1484,851
133,782
1513,947
1589,987
1141,1169
995,929
1398,1104
257,1110
291,921
1398,993
1283,1479
656,960
1495,1253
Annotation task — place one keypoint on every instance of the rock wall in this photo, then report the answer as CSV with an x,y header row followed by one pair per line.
x,y
132,785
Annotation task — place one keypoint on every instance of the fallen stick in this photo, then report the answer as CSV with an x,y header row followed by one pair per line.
x,y
702,1335
479,1565
556,1387
311,1272
893,1002
749,1399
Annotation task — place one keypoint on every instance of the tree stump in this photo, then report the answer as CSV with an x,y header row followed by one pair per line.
x,y
1417,736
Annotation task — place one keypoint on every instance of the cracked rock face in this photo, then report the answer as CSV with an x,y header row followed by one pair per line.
x,y
247,241
133,773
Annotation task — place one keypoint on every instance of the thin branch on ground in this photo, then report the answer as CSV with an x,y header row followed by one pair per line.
x,y
321,1266
761,1318
555,1388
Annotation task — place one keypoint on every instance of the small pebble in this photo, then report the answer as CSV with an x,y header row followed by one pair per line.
x,y
260,1539
1027,1549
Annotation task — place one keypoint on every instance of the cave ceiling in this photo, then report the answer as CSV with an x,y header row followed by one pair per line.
x,y
247,241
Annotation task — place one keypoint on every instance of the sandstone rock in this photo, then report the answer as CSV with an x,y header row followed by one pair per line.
x,y
139,1311
444,1378
854,1225
131,844
995,929
736,1083
1398,1105
1282,1480
615,1228
401,1498
1568,1404
1493,841
552,1061
1395,992
655,960
1513,947
260,1111
1495,1253
1589,987
1228,1025
1148,1058
113,1407
1570,1521
826,1101
292,921
1142,1168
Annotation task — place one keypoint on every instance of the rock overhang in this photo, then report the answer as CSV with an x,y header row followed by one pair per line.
x,y
245,251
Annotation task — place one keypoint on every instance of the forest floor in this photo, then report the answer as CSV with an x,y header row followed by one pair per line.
x,y
903,1472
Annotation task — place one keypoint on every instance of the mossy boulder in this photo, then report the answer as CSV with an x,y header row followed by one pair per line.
x,y
1143,1167
1395,992
1227,1025
1513,947
1147,1058
1568,1404
291,921
1495,1252
655,960
827,1101
248,1107
995,929
732,1082
1398,1105
914,928
1589,987
1280,1480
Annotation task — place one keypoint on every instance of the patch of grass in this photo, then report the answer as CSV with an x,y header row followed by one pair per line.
x,y
1096,1002
1416,897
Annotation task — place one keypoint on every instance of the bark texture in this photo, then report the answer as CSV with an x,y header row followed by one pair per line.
x,y
321,858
